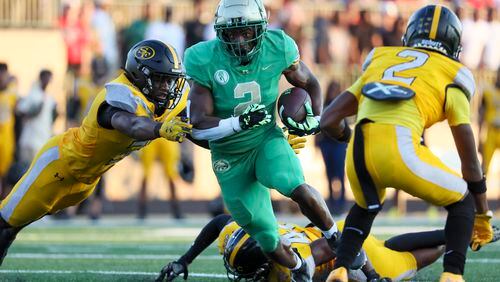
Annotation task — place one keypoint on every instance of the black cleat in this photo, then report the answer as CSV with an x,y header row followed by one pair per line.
x,y
7,236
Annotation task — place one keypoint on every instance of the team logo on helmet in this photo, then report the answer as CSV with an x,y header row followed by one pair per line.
x,y
221,76
221,165
144,53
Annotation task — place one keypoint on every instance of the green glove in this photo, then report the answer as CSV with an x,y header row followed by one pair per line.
x,y
307,127
254,116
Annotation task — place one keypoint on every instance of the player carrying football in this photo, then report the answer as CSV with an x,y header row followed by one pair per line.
x,y
136,107
402,91
233,99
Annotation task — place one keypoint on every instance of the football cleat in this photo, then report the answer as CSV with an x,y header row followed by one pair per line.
x,y
496,234
338,275
450,277
304,273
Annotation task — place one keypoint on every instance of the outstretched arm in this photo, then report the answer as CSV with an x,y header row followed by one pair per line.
x,y
332,121
207,236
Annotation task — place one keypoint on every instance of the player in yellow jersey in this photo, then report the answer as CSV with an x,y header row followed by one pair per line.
x,y
138,106
398,258
8,100
489,113
402,91
168,153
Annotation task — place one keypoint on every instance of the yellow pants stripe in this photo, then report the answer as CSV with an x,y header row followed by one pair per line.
x,y
43,161
424,170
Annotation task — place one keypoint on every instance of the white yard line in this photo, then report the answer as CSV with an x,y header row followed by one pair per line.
x,y
104,272
102,256
159,257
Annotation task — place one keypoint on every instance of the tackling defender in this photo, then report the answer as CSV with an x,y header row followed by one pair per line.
x,y
233,100
398,258
136,107
402,91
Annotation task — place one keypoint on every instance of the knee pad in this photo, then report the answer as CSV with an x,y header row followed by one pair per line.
x,y
268,240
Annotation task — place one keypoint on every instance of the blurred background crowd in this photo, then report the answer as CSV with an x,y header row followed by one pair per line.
x,y
69,49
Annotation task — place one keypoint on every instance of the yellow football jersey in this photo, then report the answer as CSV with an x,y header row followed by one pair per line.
x,y
8,101
91,150
491,98
403,264
428,74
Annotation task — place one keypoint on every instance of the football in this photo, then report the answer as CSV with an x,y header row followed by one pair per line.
x,y
291,104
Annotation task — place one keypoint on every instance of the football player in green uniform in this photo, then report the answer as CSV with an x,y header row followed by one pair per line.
x,y
233,98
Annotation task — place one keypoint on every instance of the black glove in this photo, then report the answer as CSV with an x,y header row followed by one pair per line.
x,y
254,116
172,270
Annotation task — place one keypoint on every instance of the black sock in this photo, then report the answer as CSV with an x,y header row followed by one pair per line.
x,y
356,228
418,240
458,231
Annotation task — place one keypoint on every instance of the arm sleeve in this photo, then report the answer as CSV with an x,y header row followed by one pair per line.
x,y
457,108
207,236
355,89
292,55
105,114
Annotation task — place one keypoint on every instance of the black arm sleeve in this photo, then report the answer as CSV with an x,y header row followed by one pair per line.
x,y
105,114
413,241
207,236
201,143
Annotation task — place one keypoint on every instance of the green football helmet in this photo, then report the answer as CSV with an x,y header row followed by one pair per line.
x,y
240,26
434,27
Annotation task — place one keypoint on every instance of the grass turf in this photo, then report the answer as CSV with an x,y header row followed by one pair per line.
x,y
128,250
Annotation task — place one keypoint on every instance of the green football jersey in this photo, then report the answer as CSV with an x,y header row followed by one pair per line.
x,y
235,87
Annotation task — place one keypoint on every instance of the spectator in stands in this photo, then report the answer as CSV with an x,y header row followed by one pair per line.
x,y
167,32
341,42
491,58
195,28
365,33
136,31
106,34
474,38
334,158
39,112
8,100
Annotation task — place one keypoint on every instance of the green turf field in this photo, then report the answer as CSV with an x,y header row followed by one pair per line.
x,y
121,249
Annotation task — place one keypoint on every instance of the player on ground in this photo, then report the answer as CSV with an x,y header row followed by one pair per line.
x,y
233,101
402,91
243,258
136,107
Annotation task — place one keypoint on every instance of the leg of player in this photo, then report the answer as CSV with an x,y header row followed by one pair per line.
x,y
174,203
7,236
142,200
313,206
458,231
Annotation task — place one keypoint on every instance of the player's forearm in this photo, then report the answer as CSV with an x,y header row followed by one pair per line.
x,y
138,128
207,236
212,128
314,89
481,203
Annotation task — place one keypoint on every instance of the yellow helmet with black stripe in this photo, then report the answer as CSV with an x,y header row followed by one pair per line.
x,y
434,27
244,259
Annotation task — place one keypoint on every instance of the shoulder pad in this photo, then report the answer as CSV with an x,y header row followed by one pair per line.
x,y
465,80
120,96
368,60
200,53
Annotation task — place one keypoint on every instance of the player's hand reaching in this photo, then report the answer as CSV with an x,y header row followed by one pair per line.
x,y
296,142
175,129
482,233
309,126
254,116
170,271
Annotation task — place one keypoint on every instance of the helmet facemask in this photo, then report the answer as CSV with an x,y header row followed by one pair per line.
x,y
241,40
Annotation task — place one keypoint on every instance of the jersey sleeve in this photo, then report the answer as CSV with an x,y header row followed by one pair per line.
x,y
120,96
465,80
457,107
292,55
355,89
368,60
194,69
